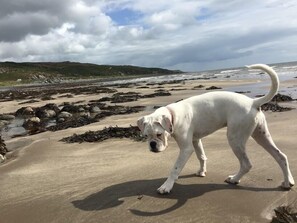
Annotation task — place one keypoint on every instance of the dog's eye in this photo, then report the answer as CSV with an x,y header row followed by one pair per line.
x,y
159,134
145,135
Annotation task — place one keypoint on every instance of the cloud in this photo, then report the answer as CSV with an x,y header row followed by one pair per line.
x,y
179,34
17,26
21,18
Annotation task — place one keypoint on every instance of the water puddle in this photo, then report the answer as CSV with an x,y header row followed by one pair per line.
x,y
14,129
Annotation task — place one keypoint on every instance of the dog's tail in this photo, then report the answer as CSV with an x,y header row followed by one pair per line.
x,y
274,85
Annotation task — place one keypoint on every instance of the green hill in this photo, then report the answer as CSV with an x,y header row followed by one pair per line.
x,y
30,72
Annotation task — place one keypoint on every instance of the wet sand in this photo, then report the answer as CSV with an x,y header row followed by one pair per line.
x,y
47,180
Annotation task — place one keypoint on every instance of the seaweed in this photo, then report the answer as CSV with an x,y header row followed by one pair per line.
x,y
274,107
3,149
131,132
285,214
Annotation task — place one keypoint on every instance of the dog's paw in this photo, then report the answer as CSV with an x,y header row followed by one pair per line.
x,y
291,181
287,185
166,187
201,173
231,180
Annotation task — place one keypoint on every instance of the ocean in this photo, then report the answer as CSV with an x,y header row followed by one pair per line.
x,y
285,71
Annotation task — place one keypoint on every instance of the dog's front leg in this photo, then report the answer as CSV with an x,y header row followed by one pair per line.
x,y
184,154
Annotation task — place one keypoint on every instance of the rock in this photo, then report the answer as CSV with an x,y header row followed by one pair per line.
x,y
95,109
32,123
65,115
60,120
85,114
25,111
51,106
50,113
28,111
72,108
45,113
2,158
3,123
7,117
81,109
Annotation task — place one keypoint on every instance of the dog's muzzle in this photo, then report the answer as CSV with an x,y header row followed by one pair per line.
x,y
153,146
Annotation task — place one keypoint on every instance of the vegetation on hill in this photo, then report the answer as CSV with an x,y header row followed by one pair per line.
x,y
28,72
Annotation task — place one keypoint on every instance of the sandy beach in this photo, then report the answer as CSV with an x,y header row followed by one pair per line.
x,y
46,180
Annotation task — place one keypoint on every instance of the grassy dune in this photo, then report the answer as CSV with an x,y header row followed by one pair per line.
x,y
10,71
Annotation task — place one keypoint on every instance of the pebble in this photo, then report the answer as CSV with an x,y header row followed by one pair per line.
x,y
2,158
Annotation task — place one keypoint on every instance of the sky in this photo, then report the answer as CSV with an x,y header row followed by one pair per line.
x,y
188,35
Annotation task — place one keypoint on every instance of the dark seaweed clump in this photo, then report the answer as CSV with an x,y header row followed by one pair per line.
x,y
274,107
45,92
131,132
121,97
282,97
3,149
72,123
285,214
213,88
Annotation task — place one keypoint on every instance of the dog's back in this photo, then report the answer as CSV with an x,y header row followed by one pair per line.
x,y
216,109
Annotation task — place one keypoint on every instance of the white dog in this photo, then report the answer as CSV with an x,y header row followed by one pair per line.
x,y
189,120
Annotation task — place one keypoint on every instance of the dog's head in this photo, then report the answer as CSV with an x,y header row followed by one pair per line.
x,y
157,127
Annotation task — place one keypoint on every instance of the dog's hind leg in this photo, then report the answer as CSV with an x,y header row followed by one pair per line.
x,y
237,138
201,157
262,136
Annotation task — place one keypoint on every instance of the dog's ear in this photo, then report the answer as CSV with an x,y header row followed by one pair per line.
x,y
140,124
166,124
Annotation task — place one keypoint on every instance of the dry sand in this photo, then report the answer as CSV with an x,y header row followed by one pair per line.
x,y
116,180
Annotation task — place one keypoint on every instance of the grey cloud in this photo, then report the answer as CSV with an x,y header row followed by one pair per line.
x,y
11,7
17,26
20,18
224,46
219,47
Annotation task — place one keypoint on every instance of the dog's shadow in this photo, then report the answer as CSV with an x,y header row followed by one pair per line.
x,y
112,196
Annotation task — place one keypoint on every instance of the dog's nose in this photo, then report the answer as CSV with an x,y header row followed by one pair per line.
x,y
153,145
